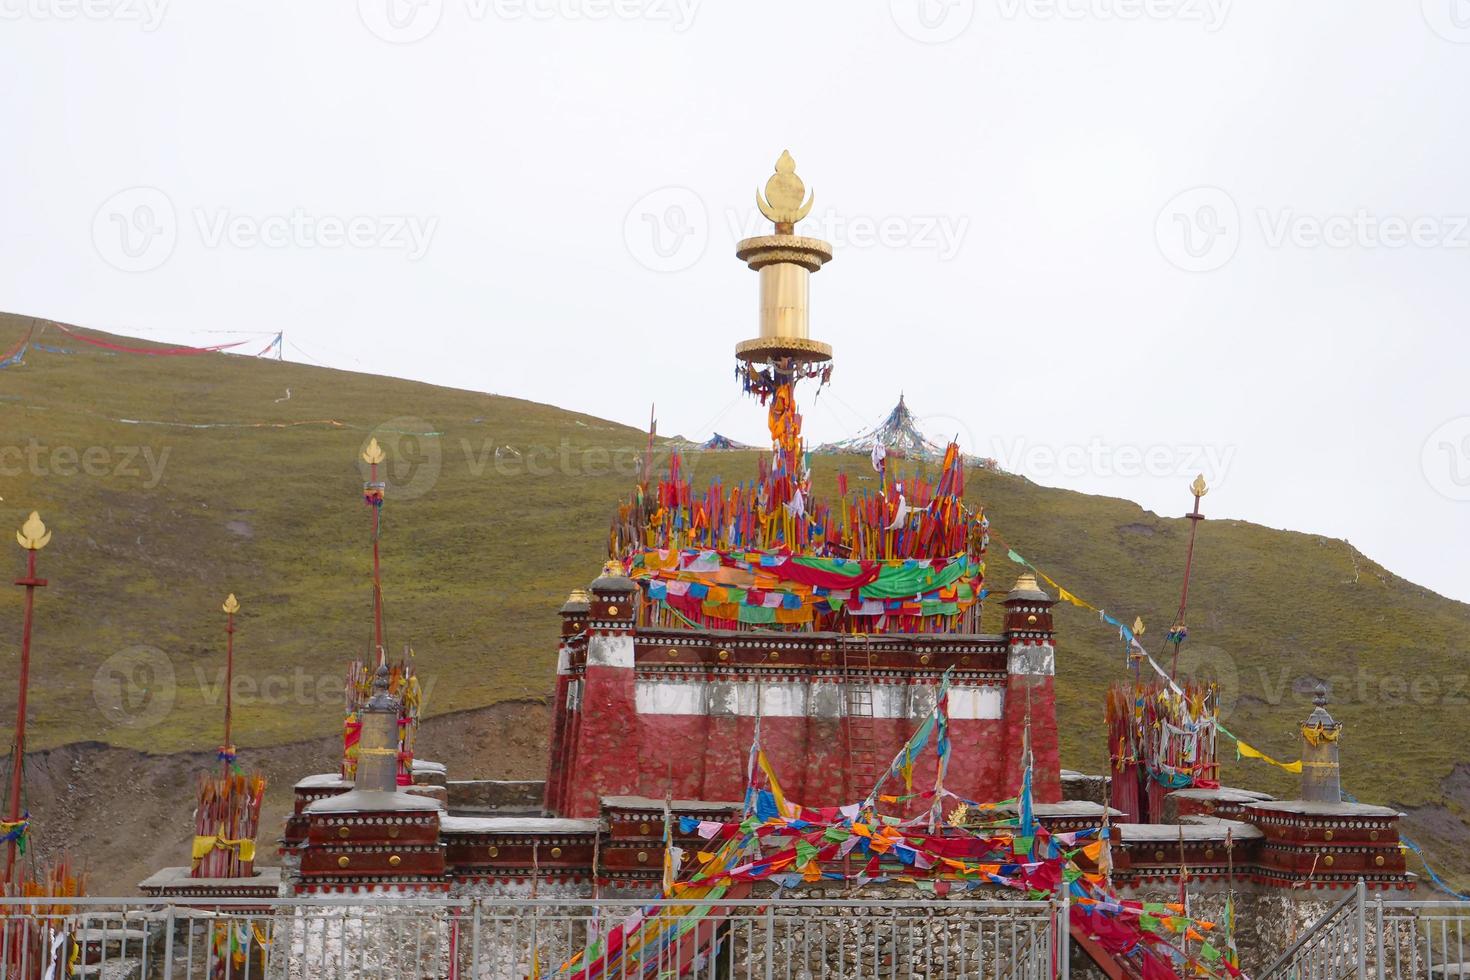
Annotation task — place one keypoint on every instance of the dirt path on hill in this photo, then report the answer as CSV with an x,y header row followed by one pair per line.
x,y
124,814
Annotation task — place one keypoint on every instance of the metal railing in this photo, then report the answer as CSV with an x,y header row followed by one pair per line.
x,y
377,936
1365,938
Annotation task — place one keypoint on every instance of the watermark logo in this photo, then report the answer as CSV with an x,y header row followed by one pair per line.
x,y
136,230
1363,229
147,14
414,457
667,230
1199,229
1200,663
1450,19
942,234
1210,13
1446,459
932,21
41,459
401,21
135,688
1096,458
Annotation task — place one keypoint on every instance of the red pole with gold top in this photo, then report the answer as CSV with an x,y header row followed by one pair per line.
x,y
373,495
32,536
227,750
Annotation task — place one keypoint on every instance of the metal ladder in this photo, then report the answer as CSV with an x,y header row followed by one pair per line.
x,y
862,756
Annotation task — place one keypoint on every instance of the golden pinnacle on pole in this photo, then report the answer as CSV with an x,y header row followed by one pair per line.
x,y
373,454
232,605
33,535
1138,628
782,203
1198,487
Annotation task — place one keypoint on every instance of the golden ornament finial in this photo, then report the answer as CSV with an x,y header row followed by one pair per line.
x,y
1198,486
784,192
33,535
959,815
232,605
1138,628
374,452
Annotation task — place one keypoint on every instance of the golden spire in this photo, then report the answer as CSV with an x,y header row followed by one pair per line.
x,y
1138,628
33,535
1026,582
785,262
374,452
232,605
1198,487
784,192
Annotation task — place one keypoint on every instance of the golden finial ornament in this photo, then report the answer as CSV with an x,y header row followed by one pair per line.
x,y
1198,487
1138,628
958,815
373,454
782,203
232,605
33,535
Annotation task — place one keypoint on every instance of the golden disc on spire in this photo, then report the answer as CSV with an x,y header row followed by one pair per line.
x,y
232,605
33,535
784,192
374,452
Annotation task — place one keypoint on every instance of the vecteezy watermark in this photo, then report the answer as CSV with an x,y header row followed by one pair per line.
x,y
137,230
561,460
1199,229
414,457
296,686
136,687
1446,459
1101,459
1363,229
667,230
1375,688
401,21
407,21
147,14
942,234
1209,13
1450,19
932,21
99,462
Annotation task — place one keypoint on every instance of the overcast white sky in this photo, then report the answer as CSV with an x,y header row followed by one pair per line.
x,y
1109,242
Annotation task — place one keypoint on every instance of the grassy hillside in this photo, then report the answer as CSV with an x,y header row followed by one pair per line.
x,y
222,483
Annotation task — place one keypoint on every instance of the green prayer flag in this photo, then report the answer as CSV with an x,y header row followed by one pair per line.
x,y
1209,953
1148,923
1022,845
1011,554
805,852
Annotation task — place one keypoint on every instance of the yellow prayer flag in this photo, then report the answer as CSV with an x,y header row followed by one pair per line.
x,y
1251,753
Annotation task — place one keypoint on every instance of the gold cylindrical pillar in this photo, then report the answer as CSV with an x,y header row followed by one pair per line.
x,y
785,292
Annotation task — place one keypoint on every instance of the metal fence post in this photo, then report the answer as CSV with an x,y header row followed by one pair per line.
x,y
770,942
475,943
1362,930
1064,936
168,942
1378,931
